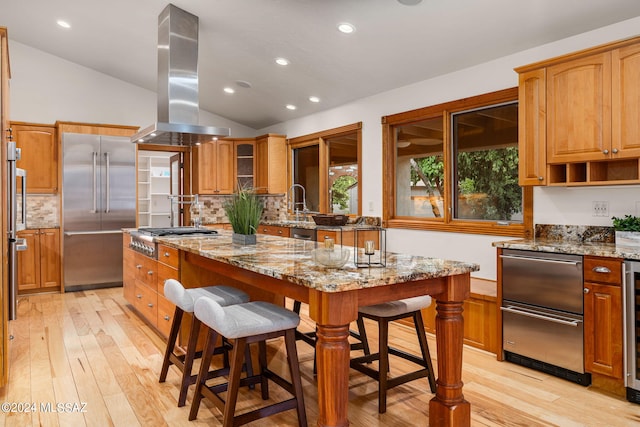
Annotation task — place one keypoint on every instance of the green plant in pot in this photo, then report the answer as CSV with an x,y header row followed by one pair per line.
x,y
244,209
627,231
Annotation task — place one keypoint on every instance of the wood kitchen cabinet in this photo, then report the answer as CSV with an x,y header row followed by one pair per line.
x,y
271,161
580,112
39,265
245,162
213,168
39,146
532,162
274,230
603,316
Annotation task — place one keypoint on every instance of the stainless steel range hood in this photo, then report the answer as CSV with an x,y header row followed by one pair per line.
x,y
178,105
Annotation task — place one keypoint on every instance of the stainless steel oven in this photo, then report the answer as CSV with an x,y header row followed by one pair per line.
x,y
542,312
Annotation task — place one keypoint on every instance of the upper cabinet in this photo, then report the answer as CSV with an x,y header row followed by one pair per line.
x,y
213,165
579,117
39,156
271,161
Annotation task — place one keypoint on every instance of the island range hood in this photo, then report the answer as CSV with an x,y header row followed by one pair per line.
x,y
178,105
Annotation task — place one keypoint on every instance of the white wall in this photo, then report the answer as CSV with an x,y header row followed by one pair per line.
x,y
45,88
551,205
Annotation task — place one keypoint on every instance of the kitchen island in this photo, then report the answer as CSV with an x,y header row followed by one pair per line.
x,y
283,266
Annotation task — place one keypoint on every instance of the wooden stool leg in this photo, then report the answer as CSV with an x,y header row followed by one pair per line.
x,y
188,360
207,354
262,360
424,347
363,336
237,354
383,372
171,342
294,370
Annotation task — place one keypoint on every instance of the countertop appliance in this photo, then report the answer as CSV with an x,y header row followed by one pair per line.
x,y
143,239
99,200
631,318
17,183
542,312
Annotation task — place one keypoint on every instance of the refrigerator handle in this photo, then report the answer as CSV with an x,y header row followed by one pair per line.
x,y
23,224
95,183
106,158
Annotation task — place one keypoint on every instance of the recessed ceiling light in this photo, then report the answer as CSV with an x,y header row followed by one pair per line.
x,y
346,28
291,107
243,83
282,61
229,90
63,24
314,99
409,2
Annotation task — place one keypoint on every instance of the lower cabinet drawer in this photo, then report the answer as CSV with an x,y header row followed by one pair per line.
x,y
146,302
165,272
166,310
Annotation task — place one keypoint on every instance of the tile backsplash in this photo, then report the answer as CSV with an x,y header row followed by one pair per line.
x,y
275,208
43,210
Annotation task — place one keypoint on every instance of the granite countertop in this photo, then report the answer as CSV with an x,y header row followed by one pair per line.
x,y
290,259
571,247
363,221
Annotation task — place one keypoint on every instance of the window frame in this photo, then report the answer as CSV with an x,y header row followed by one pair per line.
x,y
320,139
447,223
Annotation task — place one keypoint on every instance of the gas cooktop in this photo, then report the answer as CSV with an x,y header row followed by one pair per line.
x,y
176,231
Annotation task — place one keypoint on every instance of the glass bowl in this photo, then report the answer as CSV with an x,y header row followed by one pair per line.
x,y
332,258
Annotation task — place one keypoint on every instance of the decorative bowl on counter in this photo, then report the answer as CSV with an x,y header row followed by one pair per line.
x,y
330,220
331,258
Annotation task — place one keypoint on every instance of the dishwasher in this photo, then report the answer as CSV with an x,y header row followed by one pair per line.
x,y
542,312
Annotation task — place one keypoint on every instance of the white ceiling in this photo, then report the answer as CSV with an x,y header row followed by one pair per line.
x,y
394,45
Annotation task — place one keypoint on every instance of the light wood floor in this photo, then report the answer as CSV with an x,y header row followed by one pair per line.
x,y
89,347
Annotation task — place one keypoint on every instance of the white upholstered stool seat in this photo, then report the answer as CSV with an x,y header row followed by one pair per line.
x,y
383,314
184,300
245,324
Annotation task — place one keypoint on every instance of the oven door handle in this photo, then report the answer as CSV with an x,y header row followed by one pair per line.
x,y
552,261
515,310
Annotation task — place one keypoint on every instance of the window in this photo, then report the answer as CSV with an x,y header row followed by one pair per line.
x,y
454,167
327,165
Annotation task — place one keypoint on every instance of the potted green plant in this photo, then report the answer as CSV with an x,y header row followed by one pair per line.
x,y
244,209
627,231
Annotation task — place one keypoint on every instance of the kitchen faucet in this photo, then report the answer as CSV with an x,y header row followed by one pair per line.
x,y
292,204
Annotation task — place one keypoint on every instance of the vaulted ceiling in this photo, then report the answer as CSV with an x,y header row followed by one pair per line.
x,y
394,45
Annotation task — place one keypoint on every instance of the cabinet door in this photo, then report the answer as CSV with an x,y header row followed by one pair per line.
x,y
39,156
205,158
49,257
224,167
603,329
29,262
579,109
245,165
625,108
532,146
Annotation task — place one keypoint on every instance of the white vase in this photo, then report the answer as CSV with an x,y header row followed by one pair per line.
x,y
628,239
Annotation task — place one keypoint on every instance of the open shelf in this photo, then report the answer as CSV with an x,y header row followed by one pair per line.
x,y
608,172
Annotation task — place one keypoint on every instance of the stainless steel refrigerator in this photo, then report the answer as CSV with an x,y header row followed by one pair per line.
x,y
99,199
16,221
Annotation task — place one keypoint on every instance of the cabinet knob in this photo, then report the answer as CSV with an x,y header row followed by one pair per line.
x,y
166,254
605,151
139,296
279,231
614,151
166,317
139,266
150,305
585,290
541,178
150,272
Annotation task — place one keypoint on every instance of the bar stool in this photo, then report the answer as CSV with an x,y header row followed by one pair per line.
x,y
245,324
184,300
383,314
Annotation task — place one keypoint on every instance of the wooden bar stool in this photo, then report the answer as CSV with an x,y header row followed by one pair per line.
x,y
383,314
184,300
245,324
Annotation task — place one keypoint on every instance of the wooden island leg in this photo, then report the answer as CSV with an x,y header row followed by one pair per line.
x,y
448,408
332,355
